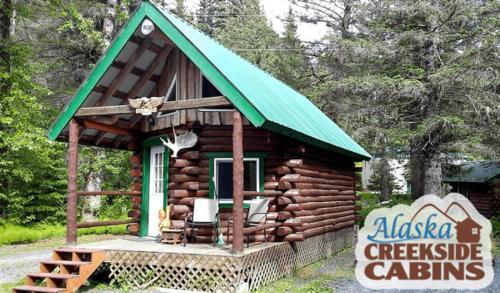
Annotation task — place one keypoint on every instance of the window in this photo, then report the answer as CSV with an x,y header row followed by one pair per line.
x,y
475,231
224,177
170,96
208,90
221,174
158,172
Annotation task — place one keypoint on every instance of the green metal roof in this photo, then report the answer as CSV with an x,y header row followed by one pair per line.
x,y
265,101
480,171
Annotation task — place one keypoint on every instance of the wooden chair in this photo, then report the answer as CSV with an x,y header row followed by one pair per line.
x,y
205,214
256,216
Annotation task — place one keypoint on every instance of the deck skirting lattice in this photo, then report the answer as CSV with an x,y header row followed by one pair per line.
x,y
217,273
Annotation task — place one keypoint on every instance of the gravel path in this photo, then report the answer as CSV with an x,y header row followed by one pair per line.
x,y
15,265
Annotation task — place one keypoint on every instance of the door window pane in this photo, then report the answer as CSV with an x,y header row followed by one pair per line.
x,y
158,173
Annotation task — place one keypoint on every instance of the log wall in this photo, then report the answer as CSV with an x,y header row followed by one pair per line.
x,y
484,196
316,191
136,175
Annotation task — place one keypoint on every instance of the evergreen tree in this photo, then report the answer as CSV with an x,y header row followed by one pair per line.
x,y
423,73
292,64
211,16
249,34
382,180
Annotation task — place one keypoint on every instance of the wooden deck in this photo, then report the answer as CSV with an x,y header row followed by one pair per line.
x,y
141,263
138,244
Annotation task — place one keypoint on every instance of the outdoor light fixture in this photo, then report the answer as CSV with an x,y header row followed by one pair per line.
x,y
147,27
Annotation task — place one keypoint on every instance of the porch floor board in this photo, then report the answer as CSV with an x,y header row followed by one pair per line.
x,y
149,245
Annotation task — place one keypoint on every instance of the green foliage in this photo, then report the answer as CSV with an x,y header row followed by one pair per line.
x,y
32,169
370,201
249,34
33,178
14,234
382,179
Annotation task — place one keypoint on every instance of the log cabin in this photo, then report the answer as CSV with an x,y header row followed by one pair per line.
x,y
257,137
479,181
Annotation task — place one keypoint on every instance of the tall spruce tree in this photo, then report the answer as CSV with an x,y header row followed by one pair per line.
x,y
426,71
211,16
249,34
292,64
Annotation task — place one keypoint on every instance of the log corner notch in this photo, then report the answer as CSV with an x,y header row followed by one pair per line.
x,y
237,183
71,225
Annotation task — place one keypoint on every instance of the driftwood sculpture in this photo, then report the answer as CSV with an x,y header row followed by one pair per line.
x,y
146,106
182,141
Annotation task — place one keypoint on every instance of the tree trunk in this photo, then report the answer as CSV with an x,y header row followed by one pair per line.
x,y
93,182
385,179
6,23
92,204
108,26
6,19
432,174
416,169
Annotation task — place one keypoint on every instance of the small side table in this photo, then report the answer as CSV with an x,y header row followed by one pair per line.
x,y
171,236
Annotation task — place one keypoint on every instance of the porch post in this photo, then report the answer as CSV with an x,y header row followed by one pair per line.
x,y
237,183
71,229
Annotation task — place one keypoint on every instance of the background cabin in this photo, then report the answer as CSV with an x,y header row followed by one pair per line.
x,y
479,182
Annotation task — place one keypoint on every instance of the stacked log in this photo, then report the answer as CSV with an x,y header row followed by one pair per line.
x,y
319,197
184,184
136,176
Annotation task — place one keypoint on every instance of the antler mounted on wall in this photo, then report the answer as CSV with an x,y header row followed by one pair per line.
x,y
182,141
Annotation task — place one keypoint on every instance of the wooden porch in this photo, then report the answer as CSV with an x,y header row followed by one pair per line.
x,y
141,262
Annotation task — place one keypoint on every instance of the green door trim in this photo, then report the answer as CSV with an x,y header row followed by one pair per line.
x,y
146,164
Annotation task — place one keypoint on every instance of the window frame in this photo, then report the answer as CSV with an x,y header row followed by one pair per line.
x,y
259,157
169,91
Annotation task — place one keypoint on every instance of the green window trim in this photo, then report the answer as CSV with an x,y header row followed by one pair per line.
x,y
146,157
261,156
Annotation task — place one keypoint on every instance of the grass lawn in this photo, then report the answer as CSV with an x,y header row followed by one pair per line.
x,y
13,234
316,277
7,287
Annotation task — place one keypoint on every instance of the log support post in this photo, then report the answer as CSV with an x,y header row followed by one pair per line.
x,y
71,226
237,183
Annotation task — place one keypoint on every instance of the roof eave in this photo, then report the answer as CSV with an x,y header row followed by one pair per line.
x,y
97,73
269,125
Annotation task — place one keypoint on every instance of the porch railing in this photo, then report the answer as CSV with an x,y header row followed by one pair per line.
x,y
131,220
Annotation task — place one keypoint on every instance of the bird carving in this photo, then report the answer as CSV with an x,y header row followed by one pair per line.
x,y
182,141
146,106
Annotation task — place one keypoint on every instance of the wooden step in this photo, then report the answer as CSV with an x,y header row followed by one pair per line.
x,y
50,276
68,269
36,289
65,262
75,249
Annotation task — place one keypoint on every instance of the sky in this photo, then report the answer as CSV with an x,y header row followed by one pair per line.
x,y
276,9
